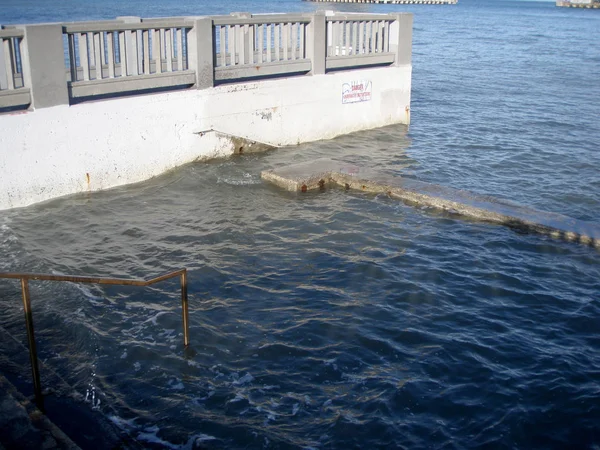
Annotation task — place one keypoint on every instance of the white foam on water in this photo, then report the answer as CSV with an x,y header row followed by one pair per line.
x,y
176,384
123,424
246,379
150,435
247,179
155,317
94,299
238,398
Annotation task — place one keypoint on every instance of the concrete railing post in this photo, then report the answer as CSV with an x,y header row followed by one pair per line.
x,y
201,51
44,68
401,39
318,43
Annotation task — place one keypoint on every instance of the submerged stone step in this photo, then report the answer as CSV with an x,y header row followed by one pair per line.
x,y
319,173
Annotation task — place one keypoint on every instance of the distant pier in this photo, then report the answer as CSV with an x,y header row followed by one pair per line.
x,y
393,2
578,4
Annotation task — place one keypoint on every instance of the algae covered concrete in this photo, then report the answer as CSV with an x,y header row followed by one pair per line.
x,y
322,172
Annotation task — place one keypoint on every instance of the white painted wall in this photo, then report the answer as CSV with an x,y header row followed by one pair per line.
x,y
63,150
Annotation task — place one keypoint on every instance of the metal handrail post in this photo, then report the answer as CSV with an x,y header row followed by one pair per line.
x,y
25,277
35,371
184,308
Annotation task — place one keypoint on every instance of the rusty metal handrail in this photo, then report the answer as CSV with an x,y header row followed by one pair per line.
x,y
25,277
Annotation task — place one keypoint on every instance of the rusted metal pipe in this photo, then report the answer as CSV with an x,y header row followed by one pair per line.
x,y
25,277
184,309
35,371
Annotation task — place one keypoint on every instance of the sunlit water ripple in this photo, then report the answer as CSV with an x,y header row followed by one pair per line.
x,y
340,319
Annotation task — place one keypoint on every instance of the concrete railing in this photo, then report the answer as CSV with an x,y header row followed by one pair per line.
x,y
108,58
53,64
261,45
12,89
358,40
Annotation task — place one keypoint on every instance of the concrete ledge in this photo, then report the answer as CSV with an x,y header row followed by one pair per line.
x,y
320,173
22,425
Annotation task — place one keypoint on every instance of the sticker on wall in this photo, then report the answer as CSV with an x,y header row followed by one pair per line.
x,y
357,91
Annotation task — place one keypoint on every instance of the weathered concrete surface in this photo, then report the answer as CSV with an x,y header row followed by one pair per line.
x,y
322,172
62,150
22,425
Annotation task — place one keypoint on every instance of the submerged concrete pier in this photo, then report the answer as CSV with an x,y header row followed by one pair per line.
x,y
325,172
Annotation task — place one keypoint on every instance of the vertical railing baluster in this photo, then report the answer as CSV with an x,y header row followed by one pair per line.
x,y
180,33
386,36
222,47
302,45
97,58
359,36
355,38
336,38
373,37
233,42
278,27
123,54
261,42
146,51
156,51
132,59
240,32
285,40
251,43
169,49
110,44
84,61
102,52
294,43
163,48
269,42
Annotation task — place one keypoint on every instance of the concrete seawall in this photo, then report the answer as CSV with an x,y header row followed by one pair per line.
x,y
321,173
93,146
112,118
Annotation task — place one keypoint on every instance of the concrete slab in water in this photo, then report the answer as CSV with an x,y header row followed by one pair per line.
x,y
319,173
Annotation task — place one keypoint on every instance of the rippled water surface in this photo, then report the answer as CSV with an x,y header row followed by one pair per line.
x,y
338,319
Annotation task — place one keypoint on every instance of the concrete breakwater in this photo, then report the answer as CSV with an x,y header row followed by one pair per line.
x,y
323,172
135,97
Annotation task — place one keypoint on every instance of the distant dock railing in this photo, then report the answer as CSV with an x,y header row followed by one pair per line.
x,y
53,64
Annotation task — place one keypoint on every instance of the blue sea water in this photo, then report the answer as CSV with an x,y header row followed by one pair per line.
x,y
340,319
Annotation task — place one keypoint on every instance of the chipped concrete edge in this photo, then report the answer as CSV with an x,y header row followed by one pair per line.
x,y
240,145
348,181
